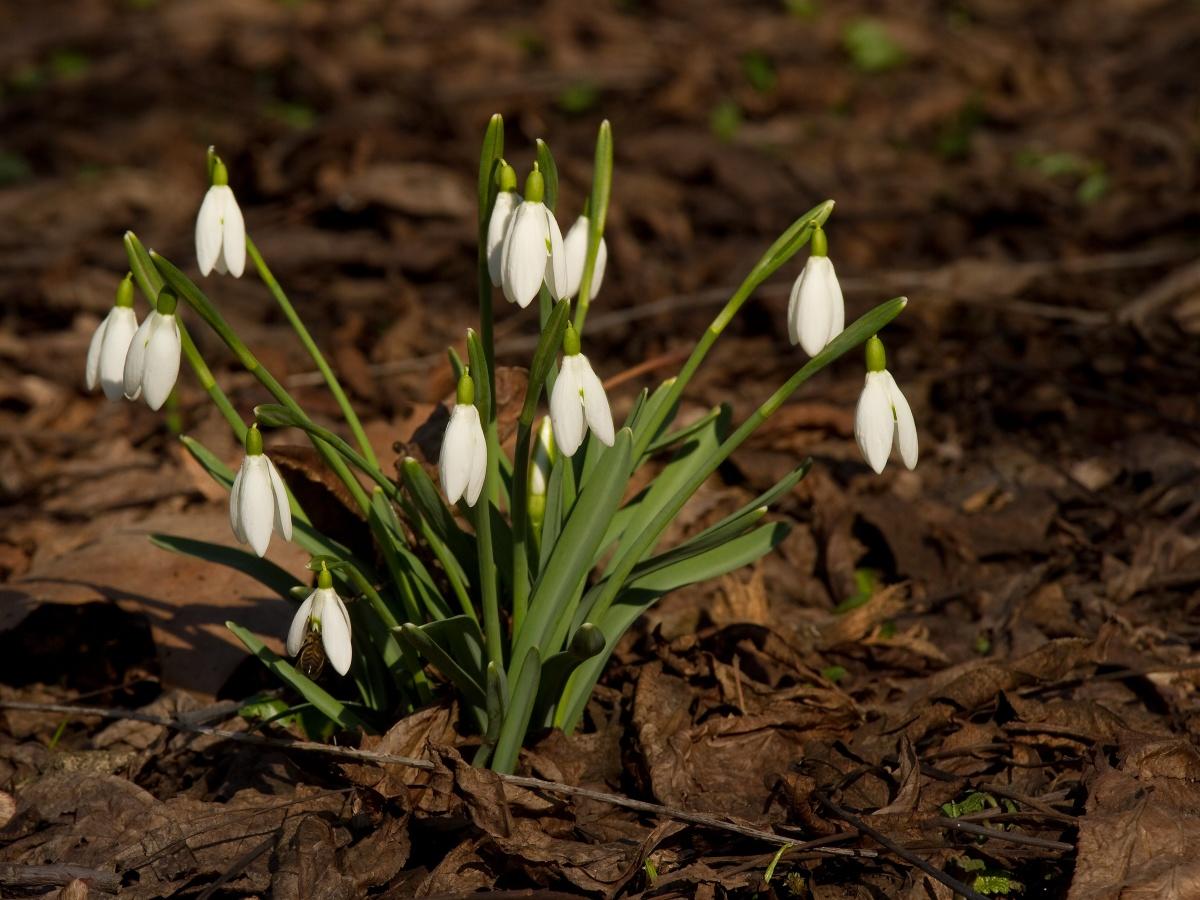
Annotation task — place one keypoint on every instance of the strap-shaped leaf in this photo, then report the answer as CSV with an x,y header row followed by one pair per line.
x,y
148,280
656,413
549,170
469,686
571,558
489,155
317,696
516,718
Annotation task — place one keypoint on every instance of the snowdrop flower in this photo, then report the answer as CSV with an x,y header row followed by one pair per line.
x,y
220,229
543,459
883,420
323,613
575,244
259,500
152,362
816,311
506,204
462,464
110,344
578,401
533,249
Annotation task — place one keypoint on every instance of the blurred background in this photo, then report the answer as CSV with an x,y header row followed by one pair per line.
x,y
1025,172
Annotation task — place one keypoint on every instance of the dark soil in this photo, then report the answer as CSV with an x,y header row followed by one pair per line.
x,y
1007,636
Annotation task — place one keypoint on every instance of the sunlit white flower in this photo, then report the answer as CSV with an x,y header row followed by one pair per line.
x,y
462,464
507,201
110,344
152,362
325,613
575,245
259,500
816,311
220,228
578,401
883,420
533,249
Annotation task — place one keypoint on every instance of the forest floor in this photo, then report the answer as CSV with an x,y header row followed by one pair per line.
x,y
1005,639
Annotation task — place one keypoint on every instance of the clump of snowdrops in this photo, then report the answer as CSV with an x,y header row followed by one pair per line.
x,y
511,584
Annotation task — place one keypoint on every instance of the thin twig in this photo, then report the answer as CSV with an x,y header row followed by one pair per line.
x,y
907,855
373,757
1011,836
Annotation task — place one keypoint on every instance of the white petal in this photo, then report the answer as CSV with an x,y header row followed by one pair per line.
x,y
873,422
814,313
598,272
335,632
793,310
906,426
523,268
283,510
479,459
162,362
256,506
556,275
502,213
92,369
235,502
295,638
837,304
566,407
122,326
135,359
575,247
208,228
595,404
454,462
233,243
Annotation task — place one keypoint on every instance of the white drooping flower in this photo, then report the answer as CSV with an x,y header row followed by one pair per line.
x,y
462,464
575,244
220,228
258,501
578,401
152,362
533,249
507,201
325,613
816,311
110,344
883,421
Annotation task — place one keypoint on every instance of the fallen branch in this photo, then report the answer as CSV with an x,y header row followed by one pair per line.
x,y
370,756
42,878
907,855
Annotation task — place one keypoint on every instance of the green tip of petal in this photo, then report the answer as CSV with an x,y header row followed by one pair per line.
x,y
571,344
167,302
876,357
466,389
820,243
125,292
254,441
535,186
506,177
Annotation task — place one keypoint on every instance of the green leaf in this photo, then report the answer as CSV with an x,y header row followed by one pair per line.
x,y
317,696
263,571
587,642
520,709
489,155
148,280
430,505
679,435
648,416
220,473
468,686
549,170
704,564
571,558
479,373
552,520
544,358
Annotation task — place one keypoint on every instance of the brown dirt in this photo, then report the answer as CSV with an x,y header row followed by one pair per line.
x,y
1026,173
